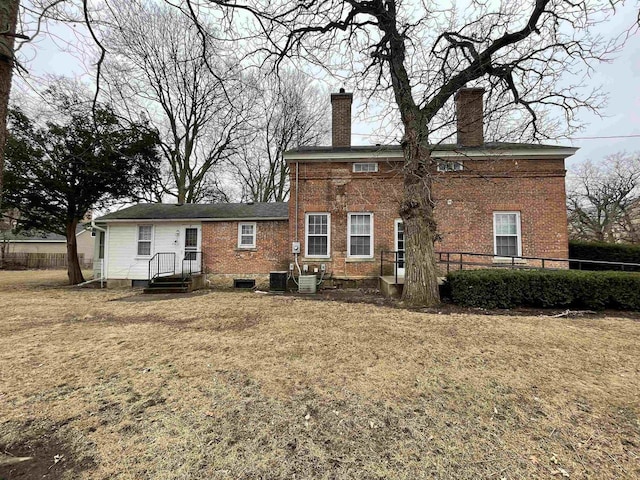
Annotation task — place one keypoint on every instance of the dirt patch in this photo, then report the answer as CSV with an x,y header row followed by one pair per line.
x,y
158,297
44,457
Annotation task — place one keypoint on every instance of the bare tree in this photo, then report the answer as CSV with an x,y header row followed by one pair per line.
x,y
421,54
164,68
288,112
600,199
8,19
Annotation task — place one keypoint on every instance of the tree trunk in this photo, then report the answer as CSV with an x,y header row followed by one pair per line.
x,y
8,17
416,210
73,265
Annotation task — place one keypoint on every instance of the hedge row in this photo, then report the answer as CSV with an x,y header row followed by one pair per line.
x,y
609,252
545,289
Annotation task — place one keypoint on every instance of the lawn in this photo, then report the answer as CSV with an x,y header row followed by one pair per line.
x,y
110,384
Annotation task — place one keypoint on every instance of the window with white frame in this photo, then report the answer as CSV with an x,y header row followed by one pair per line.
x,y
145,237
506,233
368,167
360,241
246,235
449,166
317,235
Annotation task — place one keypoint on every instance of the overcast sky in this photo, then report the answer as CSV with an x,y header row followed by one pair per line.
x,y
620,78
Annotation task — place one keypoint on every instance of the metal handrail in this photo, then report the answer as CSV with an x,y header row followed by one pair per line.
x,y
395,262
162,263
193,261
514,261
506,261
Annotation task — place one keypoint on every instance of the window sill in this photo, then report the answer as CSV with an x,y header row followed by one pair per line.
x,y
246,249
508,261
316,259
140,257
358,260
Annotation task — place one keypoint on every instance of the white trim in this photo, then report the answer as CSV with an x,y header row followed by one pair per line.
x,y
306,235
349,215
138,255
375,167
255,234
527,153
182,219
518,232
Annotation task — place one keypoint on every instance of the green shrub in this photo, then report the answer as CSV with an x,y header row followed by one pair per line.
x,y
545,288
608,252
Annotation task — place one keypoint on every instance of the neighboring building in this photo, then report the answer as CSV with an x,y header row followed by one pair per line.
x,y
44,249
501,199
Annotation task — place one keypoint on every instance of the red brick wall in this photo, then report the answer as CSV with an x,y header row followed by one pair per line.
x,y
464,212
222,255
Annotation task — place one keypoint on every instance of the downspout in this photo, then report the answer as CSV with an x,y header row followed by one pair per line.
x,y
93,225
297,189
297,171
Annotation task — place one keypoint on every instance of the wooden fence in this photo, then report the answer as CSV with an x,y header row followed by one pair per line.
x,y
36,260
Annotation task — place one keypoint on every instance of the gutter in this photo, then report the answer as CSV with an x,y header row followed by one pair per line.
x,y
528,154
182,220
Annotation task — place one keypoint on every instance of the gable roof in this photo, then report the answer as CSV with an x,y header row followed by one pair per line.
x,y
201,211
489,149
48,237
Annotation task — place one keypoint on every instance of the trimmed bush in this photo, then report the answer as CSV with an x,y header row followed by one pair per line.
x,y
608,252
545,288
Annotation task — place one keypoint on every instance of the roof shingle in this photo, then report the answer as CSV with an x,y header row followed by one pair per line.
x,y
211,211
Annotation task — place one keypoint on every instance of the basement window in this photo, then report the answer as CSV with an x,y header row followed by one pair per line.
x,y
449,166
370,167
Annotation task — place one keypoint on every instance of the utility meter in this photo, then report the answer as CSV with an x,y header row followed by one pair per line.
x,y
295,247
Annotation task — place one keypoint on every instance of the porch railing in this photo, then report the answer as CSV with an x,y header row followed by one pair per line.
x,y
162,263
385,258
462,260
191,264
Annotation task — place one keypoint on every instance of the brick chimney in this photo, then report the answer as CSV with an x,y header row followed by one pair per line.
x,y
341,118
469,111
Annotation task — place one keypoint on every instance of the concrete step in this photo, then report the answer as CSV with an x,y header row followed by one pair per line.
x,y
166,290
177,283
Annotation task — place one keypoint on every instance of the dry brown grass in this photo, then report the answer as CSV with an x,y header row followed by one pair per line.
x,y
241,385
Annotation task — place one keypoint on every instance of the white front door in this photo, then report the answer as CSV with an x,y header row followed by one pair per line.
x,y
399,246
191,256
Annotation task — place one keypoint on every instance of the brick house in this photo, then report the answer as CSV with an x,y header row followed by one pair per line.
x,y
502,199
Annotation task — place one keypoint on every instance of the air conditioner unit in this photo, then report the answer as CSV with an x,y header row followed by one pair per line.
x,y
307,284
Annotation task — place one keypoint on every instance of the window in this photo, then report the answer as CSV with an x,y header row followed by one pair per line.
x,y
190,243
246,235
449,166
145,234
101,236
506,231
360,241
317,235
371,167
